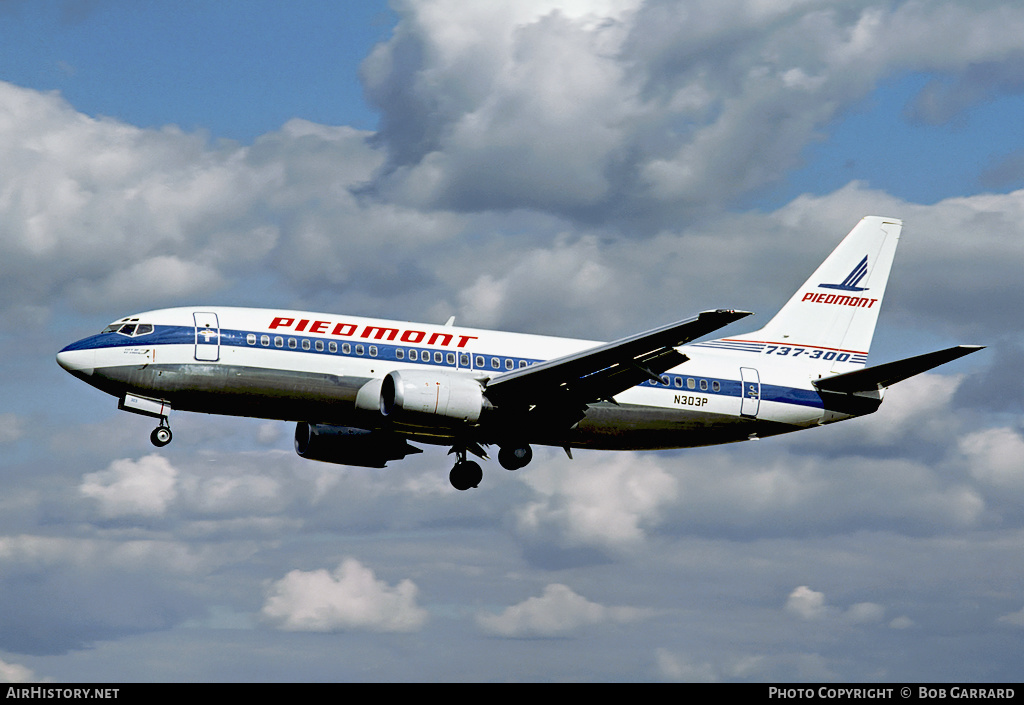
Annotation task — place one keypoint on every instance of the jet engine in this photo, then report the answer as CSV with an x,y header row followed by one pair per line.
x,y
346,445
411,395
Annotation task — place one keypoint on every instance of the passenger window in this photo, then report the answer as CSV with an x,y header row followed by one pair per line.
x,y
360,349
265,340
346,348
438,358
690,384
679,382
703,385
480,362
251,339
450,358
414,355
373,351
664,380
292,343
400,354
522,364
495,363
716,387
278,342
509,364
305,344
319,345
332,346
463,360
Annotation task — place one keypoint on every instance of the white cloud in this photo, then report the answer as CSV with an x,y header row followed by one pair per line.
x,y
1015,619
557,612
159,278
864,613
349,599
901,622
133,488
573,273
674,667
270,433
11,428
810,605
806,603
615,106
603,502
142,555
15,673
996,457
915,408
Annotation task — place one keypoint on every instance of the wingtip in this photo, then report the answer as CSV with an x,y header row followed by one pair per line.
x,y
735,313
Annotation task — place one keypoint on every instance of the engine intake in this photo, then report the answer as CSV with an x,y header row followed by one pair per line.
x,y
429,394
346,445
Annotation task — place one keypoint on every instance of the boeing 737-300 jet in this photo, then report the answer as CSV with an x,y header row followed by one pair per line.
x,y
361,389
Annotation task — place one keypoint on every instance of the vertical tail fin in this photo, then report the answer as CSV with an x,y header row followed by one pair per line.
x,y
837,308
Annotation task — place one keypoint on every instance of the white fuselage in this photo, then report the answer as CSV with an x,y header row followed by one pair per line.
x,y
323,368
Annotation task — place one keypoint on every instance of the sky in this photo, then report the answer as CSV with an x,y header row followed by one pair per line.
x,y
587,168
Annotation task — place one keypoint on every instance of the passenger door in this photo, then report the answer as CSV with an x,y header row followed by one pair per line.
x,y
750,395
207,336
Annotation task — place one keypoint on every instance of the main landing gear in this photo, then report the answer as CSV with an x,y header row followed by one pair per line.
x,y
467,473
515,457
161,435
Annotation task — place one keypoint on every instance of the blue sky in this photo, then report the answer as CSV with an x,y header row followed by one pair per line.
x,y
882,142
588,168
237,69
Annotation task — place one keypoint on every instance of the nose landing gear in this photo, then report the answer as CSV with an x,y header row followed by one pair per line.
x,y
161,435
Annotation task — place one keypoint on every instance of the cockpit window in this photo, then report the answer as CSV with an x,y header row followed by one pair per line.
x,y
130,328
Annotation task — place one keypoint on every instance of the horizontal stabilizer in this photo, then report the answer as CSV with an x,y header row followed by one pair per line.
x,y
872,379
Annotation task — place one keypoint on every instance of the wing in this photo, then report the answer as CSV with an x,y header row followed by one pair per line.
x,y
563,387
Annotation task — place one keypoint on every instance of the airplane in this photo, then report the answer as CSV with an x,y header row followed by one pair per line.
x,y
360,390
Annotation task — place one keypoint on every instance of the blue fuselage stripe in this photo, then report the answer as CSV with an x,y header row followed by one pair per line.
x,y
186,335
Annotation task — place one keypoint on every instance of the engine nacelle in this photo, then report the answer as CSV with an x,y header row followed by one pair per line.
x,y
432,395
345,445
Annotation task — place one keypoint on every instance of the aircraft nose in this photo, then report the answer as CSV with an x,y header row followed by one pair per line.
x,y
77,362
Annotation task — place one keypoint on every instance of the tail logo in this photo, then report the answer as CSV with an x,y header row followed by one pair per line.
x,y
852,279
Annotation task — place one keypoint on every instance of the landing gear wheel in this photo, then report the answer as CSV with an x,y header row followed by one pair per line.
x,y
515,457
160,436
465,474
